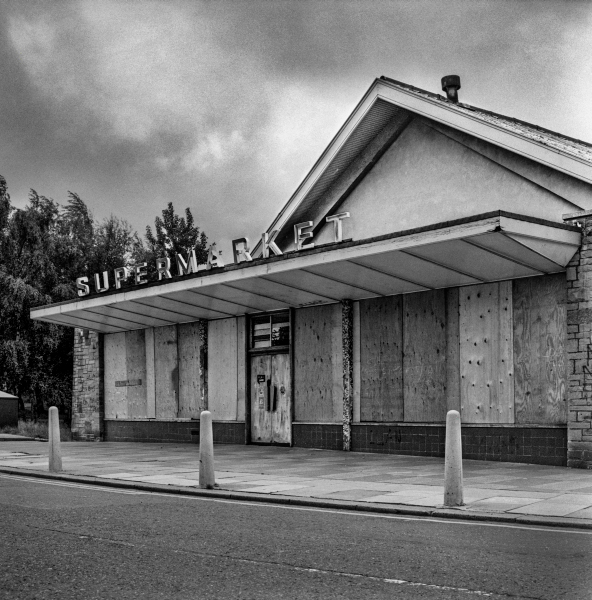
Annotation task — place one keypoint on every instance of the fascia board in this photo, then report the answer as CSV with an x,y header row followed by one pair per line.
x,y
489,132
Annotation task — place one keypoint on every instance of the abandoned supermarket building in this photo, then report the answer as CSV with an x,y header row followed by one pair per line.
x,y
437,256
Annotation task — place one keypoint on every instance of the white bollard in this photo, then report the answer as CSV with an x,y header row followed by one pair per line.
x,y
55,450
453,471
206,451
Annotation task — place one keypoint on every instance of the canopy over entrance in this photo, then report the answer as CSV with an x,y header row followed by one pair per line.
x,y
483,248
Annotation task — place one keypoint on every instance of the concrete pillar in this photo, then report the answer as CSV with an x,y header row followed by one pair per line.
x,y
55,450
579,352
88,410
347,316
207,478
453,471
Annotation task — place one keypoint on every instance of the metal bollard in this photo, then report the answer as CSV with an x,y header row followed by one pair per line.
x,y
55,450
206,451
453,471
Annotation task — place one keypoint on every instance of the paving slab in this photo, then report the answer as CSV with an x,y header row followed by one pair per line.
x,y
508,490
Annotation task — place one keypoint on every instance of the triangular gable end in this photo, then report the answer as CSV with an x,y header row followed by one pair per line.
x,y
394,169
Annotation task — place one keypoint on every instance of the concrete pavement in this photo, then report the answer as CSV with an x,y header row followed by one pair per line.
x,y
507,491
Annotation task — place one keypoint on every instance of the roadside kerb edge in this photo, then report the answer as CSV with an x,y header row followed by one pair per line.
x,y
397,509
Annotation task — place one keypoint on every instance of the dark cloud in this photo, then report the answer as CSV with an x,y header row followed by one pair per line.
x,y
224,106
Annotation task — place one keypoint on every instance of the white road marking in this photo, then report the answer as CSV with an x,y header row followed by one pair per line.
x,y
356,513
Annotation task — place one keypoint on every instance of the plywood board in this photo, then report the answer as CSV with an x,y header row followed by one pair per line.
x,y
135,343
150,375
281,424
241,369
487,380
115,371
260,399
222,369
189,346
540,331
424,356
166,372
381,359
452,351
318,379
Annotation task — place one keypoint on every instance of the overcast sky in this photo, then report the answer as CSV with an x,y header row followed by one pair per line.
x,y
225,106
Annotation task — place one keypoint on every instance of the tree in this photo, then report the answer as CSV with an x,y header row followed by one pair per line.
x,y
176,235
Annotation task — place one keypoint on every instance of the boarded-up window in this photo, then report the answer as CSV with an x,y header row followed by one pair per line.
x,y
540,330
190,393
166,367
222,369
424,363
381,359
318,364
487,381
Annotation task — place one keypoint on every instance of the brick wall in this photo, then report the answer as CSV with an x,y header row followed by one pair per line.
x,y
579,353
87,386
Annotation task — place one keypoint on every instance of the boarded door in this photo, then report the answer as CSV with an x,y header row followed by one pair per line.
x,y
270,399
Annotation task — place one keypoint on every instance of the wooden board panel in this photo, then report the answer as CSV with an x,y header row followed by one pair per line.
x,y
315,359
260,401
381,359
189,346
135,343
356,361
424,356
281,424
115,370
540,330
222,369
487,382
150,375
241,369
166,372
452,351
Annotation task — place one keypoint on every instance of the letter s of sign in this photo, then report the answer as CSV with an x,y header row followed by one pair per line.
x,y
81,284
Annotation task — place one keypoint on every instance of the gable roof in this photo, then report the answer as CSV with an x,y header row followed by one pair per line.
x,y
391,103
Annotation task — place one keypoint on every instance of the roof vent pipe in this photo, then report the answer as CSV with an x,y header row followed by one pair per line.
x,y
451,85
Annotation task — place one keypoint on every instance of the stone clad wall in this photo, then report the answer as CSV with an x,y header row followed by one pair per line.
x,y
87,393
579,352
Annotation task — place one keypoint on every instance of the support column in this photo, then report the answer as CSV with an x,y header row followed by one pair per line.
x,y
203,364
88,406
347,318
579,352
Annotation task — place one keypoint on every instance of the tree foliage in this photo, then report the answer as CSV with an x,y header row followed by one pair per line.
x,y
176,235
44,247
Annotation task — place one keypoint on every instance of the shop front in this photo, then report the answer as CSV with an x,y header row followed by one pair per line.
x,y
434,258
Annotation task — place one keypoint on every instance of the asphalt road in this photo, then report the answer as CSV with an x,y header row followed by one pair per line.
x,y
60,540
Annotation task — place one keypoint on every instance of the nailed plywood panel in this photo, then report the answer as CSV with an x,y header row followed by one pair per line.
x,y
150,375
115,371
188,344
241,372
381,359
424,352
135,343
261,412
222,369
487,381
318,376
166,367
540,330
452,351
281,424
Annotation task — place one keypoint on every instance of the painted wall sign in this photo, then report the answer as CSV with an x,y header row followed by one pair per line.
x,y
186,265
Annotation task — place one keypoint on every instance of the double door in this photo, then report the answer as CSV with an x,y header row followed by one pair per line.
x,y
271,399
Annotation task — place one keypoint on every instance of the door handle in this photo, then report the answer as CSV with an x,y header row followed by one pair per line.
x,y
268,395
275,398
